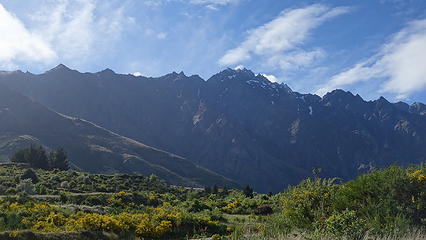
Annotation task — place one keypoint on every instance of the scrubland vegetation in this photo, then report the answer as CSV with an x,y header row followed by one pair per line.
x,y
41,204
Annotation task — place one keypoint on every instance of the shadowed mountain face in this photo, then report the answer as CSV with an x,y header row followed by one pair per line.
x,y
91,148
237,123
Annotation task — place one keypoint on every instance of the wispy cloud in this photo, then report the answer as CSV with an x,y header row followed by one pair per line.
x,y
157,34
68,30
280,41
78,27
19,44
210,4
399,65
213,4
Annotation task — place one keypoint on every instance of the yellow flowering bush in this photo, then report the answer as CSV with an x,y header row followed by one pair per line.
x,y
417,176
232,207
94,222
52,223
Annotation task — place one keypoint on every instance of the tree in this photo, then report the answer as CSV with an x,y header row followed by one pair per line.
x,y
225,190
30,174
316,172
215,189
248,191
59,160
34,155
207,189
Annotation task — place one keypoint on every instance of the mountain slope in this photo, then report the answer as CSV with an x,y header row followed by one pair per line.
x,y
237,123
90,147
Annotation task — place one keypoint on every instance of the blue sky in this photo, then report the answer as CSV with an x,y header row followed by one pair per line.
x,y
370,47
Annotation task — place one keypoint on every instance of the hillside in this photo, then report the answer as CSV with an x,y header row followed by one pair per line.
x,y
384,204
90,147
238,123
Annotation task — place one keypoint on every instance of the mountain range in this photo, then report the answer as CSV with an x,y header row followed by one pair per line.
x,y
90,147
236,124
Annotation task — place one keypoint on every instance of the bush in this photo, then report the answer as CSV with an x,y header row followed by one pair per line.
x,y
263,210
344,224
309,202
26,186
30,174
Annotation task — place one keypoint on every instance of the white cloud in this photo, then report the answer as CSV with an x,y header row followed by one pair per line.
x,y
283,37
153,33
399,64
137,74
18,44
162,35
69,30
76,28
213,4
271,78
295,58
210,4
153,3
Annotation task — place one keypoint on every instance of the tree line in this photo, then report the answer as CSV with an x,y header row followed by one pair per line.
x,y
37,157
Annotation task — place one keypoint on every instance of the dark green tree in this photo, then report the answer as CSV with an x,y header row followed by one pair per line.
x,y
30,174
248,191
225,190
59,160
215,189
207,189
34,155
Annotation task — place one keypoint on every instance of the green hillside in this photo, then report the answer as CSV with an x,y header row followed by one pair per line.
x,y
384,204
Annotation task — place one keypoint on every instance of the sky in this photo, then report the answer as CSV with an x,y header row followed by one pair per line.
x,y
369,47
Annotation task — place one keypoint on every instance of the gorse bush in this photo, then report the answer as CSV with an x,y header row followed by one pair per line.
x,y
161,222
309,202
385,201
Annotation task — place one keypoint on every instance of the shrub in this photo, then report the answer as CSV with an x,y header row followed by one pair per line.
x,y
30,174
26,186
309,202
345,224
263,210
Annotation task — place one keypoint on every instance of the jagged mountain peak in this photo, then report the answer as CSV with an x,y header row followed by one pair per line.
x,y
233,74
107,71
339,93
382,101
418,108
60,67
238,71
179,77
341,96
